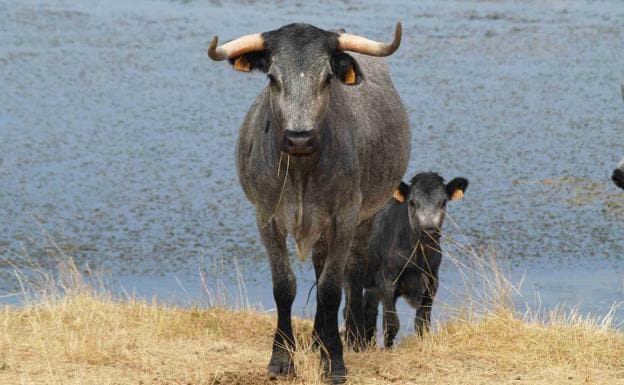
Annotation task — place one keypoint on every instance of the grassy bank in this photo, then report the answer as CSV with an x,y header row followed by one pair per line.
x,y
85,338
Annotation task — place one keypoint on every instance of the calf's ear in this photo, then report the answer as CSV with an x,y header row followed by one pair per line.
x,y
346,69
455,189
401,193
251,61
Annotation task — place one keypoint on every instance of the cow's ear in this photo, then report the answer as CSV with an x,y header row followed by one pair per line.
x,y
251,61
346,69
401,193
455,189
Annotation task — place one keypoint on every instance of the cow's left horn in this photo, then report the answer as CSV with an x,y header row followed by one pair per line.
x,y
355,43
236,47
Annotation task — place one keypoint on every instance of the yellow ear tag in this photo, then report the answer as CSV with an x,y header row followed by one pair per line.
x,y
350,77
242,64
398,196
457,195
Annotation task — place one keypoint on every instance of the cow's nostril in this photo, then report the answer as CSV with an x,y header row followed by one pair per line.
x,y
298,134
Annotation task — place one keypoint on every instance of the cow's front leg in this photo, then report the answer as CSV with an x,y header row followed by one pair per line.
x,y
284,291
329,293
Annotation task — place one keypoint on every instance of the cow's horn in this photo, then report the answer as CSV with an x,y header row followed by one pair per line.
x,y
355,43
236,47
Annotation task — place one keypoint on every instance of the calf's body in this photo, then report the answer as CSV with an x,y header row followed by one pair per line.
x,y
404,253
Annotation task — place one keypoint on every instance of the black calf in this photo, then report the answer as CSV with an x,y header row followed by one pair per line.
x,y
404,253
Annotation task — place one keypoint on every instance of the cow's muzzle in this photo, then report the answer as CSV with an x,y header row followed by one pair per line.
x,y
618,177
299,142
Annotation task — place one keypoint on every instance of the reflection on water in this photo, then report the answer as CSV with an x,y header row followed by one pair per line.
x,y
117,135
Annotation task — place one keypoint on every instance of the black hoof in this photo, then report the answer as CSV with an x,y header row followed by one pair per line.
x,y
338,376
281,368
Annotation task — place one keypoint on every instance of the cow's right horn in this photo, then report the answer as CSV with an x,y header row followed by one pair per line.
x,y
236,47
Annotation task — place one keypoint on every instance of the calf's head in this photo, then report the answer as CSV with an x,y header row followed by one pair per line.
x,y
618,175
301,62
426,197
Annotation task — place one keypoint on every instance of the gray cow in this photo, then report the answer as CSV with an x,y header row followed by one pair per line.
x,y
404,252
618,175
320,151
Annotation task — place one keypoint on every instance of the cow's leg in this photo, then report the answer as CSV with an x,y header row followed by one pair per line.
x,y
329,292
390,317
423,314
319,253
354,311
371,303
355,274
284,290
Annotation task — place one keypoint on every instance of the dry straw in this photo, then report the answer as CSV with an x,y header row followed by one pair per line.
x,y
72,332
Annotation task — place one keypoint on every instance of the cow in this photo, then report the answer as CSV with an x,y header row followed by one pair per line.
x,y
320,151
618,175
404,252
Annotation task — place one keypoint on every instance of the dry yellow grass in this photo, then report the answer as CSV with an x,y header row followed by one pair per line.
x,y
85,338
73,334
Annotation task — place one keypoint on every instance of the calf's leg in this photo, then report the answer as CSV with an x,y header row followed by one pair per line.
x,y
423,314
391,319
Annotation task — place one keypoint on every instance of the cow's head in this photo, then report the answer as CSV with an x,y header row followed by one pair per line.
x,y
618,175
426,197
301,62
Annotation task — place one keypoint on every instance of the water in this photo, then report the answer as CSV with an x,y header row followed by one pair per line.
x,y
117,138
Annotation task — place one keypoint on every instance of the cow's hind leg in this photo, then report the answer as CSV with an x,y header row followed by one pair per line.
x,y
319,253
371,304
284,291
329,294
355,273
